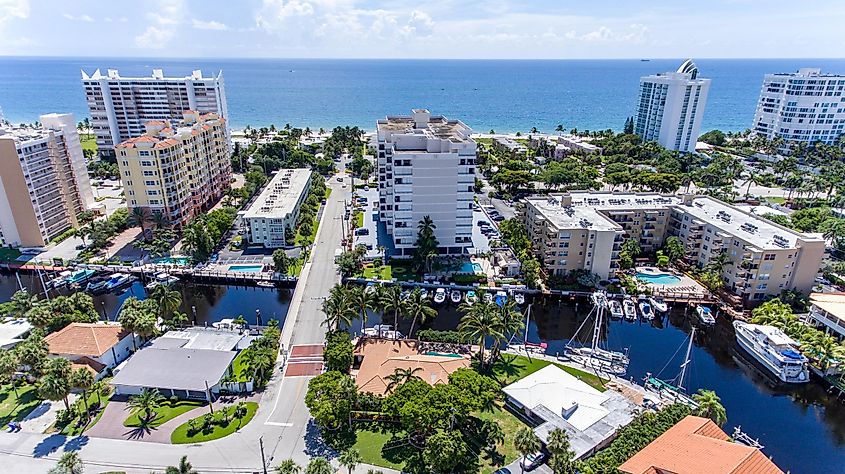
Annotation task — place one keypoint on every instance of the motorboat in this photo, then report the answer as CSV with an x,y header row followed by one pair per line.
x,y
423,293
599,299
60,280
97,285
500,298
265,284
164,278
658,304
616,309
383,331
488,298
455,296
370,288
705,316
439,296
645,310
117,280
629,309
471,297
777,352
519,298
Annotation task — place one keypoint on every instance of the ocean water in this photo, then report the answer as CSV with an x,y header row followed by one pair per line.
x,y
503,95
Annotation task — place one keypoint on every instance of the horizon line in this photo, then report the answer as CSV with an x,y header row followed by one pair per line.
x,y
253,58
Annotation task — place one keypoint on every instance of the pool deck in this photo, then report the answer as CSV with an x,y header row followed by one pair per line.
x,y
685,287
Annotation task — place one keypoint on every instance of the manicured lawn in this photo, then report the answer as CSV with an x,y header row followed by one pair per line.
x,y
385,272
75,428
88,142
328,193
505,452
180,434
16,407
8,254
166,412
510,368
403,270
371,443
776,199
239,367
359,219
303,240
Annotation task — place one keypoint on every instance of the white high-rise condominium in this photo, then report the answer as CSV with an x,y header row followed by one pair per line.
x,y
804,106
426,167
43,181
120,106
671,107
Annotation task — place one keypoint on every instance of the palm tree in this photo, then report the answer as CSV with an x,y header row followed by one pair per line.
x,y
146,401
319,465
259,363
83,379
833,230
559,447
166,299
426,241
288,466
350,459
825,349
160,220
139,217
710,406
512,323
391,300
100,388
362,300
400,376
184,467
418,308
750,177
479,322
338,307
526,442
8,367
69,463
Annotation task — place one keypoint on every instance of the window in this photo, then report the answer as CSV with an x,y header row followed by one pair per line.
x,y
762,286
769,256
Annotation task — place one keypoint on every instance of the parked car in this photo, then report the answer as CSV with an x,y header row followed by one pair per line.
x,y
483,223
362,231
366,188
340,179
498,218
532,461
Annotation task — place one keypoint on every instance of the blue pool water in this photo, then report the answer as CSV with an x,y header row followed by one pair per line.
x,y
173,260
658,279
246,268
470,267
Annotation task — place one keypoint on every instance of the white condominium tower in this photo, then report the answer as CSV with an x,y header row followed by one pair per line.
x,y
426,167
120,106
43,181
671,107
804,106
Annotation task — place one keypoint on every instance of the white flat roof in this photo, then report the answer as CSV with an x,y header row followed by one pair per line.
x,y
200,338
11,331
281,194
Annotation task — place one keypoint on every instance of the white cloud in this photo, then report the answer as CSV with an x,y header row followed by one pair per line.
x,y
154,37
13,9
167,15
83,17
209,25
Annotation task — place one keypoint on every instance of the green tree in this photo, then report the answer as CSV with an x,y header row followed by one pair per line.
x,y
400,376
68,463
426,244
147,401
445,451
184,467
8,367
288,466
363,301
350,459
530,271
260,363
22,302
558,445
824,349
338,353
391,300
319,465
713,137
710,406
833,229
330,398
281,261
83,379
338,307
526,442
479,322
55,381
418,309
167,300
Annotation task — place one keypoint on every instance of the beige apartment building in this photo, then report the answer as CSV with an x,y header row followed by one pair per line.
x,y
585,230
43,181
179,169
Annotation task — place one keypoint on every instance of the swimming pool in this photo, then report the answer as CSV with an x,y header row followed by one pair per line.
x,y
658,278
470,267
173,260
246,268
443,354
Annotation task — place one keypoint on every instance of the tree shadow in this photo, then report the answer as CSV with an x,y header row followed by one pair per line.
x,y
315,445
506,368
77,443
49,445
138,432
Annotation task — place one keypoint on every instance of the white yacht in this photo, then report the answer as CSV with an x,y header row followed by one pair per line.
x,y
519,298
645,310
658,304
705,315
439,295
630,309
616,309
776,351
455,296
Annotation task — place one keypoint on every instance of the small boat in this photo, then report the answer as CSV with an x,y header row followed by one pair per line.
x,y
471,297
599,299
96,285
776,351
658,304
519,298
383,331
488,298
439,296
705,316
163,278
370,288
423,293
266,284
500,298
629,309
645,310
117,280
61,280
616,309
455,296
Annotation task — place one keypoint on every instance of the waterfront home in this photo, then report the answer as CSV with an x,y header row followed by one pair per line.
x,y
551,398
698,446
378,359
97,346
13,331
828,312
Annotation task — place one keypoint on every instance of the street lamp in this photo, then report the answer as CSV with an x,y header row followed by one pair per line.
x,y
105,316
194,310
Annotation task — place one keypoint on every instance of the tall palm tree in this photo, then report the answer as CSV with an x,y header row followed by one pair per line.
x,y
160,220
338,307
400,376
478,323
184,467
288,466
391,300
100,388
710,406
350,459
825,349
259,363
166,299
526,442
139,216
319,465
512,323
83,379
418,308
69,463
147,402
363,301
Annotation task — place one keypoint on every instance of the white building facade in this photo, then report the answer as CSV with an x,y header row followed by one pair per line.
x,y
276,209
671,107
426,167
120,106
804,106
44,181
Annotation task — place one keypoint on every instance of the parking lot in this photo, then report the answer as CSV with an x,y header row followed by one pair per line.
x,y
368,234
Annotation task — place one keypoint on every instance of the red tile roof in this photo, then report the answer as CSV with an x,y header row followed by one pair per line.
x,y
698,446
85,339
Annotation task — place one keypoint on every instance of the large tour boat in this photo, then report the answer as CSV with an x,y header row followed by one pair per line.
x,y
776,351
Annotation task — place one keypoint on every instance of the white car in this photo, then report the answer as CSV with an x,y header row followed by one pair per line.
x,y
532,461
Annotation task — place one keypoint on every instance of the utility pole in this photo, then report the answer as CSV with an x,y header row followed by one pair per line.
x,y
263,461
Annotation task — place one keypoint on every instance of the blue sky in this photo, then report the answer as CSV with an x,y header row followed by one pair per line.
x,y
423,29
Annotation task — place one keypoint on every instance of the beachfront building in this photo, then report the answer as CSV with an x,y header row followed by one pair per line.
x,y
671,107
509,147
426,167
696,445
566,144
827,311
803,106
275,211
43,181
120,107
178,169
550,399
95,346
585,230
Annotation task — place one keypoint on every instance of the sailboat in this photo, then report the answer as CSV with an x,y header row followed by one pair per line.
x,y
673,389
530,346
595,357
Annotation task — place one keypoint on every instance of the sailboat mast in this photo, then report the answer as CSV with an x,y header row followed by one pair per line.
x,y
686,359
527,325
597,327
